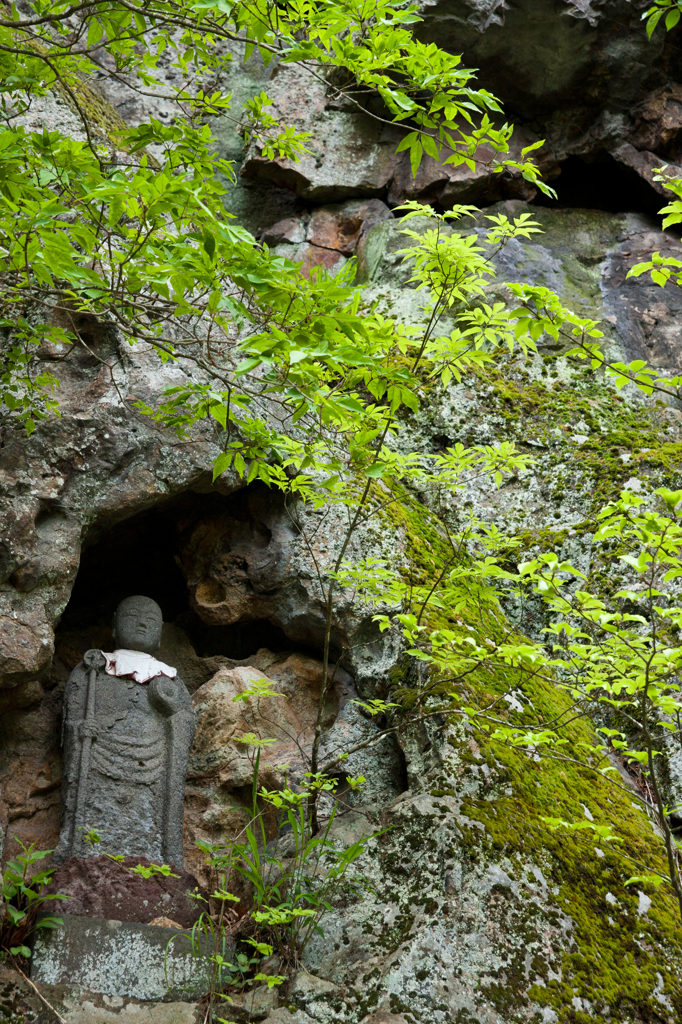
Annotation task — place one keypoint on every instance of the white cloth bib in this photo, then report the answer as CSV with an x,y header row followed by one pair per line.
x,y
137,665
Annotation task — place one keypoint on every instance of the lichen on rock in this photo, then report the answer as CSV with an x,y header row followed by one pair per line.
x,y
475,911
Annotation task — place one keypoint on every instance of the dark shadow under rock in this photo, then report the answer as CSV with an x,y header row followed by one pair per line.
x,y
102,887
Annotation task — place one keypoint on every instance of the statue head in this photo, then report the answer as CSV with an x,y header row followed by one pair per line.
x,y
137,625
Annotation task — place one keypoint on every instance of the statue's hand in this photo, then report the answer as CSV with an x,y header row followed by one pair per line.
x,y
165,695
88,730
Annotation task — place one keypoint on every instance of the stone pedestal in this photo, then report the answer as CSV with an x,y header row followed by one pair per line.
x,y
102,887
119,958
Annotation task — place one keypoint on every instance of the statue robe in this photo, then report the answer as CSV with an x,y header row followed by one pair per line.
x,y
133,792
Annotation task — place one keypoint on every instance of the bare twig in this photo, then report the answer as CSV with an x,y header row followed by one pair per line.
x,y
38,992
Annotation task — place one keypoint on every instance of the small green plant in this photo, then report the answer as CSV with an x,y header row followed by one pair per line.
x,y
231,970
296,876
293,878
91,836
24,896
152,870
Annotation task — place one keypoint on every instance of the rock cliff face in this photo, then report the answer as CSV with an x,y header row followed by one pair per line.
x,y
581,75
476,913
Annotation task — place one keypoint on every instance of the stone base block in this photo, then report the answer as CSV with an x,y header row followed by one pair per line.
x,y
86,1011
119,958
102,887
18,1001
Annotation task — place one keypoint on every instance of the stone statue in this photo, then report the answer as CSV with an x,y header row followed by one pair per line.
x,y
128,726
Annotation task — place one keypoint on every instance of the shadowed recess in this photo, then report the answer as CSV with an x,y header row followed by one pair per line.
x,y
140,556
601,184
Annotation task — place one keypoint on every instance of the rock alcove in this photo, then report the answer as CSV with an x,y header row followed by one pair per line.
x,y
174,553
236,607
601,183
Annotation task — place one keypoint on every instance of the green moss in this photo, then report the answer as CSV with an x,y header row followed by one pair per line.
x,y
104,122
610,957
612,963
621,439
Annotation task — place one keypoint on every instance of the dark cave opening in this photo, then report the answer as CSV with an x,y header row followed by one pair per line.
x,y
601,184
140,556
135,557
238,640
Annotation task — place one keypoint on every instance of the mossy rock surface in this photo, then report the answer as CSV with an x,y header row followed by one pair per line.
x,y
480,912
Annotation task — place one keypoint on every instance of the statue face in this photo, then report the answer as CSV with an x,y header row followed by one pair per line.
x,y
137,625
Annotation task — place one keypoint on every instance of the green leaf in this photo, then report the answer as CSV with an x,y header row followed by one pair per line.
x,y
672,18
20,951
655,880
407,142
430,146
219,413
416,153
209,245
95,32
222,464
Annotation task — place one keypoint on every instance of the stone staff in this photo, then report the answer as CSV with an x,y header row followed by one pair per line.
x,y
94,661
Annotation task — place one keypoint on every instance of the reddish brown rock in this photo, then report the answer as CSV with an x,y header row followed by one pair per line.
x,y
313,256
331,234
340,226
221,767
659,124
30,773
101,887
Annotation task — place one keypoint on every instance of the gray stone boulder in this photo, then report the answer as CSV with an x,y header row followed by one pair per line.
x,y
124,960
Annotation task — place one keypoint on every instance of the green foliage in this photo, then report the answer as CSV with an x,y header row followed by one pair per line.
x,y
137,246
292,880
24,897
26,390
152,870
670,10
454,269
306,391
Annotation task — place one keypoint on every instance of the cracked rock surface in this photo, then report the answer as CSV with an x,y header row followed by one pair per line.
x,y
475,913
